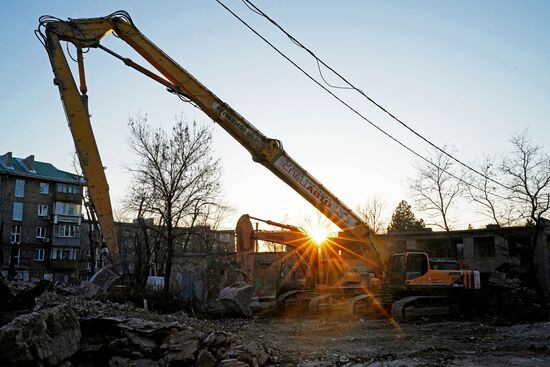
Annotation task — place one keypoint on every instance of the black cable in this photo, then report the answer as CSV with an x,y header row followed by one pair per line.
x,y
319,61
349,106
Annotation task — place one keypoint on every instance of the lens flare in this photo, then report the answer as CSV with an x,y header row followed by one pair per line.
x,y
319,235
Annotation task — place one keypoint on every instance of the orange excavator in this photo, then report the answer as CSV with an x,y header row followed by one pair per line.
x,y
322,275
408,273
341,281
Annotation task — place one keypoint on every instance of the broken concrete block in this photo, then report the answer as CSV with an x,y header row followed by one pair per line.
x,y
205,359
181,346
257,351
144,345
232,363
45,337
118,361
143,363
119,345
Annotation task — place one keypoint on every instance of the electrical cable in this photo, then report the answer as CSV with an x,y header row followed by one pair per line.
x,y
320,62
350,107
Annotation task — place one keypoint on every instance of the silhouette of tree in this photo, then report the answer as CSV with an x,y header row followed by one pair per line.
x,y
403,219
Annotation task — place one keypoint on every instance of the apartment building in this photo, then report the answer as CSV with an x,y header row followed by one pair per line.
x,y
40,218
142,248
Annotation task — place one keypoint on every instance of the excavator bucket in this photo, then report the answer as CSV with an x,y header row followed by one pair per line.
x,y
100,282
236,299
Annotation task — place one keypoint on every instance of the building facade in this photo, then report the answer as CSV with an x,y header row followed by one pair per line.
x,y
40,218
143,249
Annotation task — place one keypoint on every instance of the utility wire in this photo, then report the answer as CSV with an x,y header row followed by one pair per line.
x,y
320,62
363,117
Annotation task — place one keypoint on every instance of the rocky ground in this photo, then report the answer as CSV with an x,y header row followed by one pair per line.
x,y
69,330
356,342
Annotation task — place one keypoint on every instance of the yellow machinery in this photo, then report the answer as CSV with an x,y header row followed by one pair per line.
x,y
87,33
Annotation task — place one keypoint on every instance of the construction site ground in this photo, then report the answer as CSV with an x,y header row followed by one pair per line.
x,y
350,342
70,330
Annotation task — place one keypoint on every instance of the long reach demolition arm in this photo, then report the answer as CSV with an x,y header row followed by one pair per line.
x,y
87,33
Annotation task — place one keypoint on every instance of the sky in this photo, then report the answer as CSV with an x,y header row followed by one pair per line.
x,y
466,74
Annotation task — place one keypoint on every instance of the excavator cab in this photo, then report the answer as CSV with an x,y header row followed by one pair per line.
x,y
408,266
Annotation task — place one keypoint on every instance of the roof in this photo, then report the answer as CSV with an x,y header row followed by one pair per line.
x,y
40,170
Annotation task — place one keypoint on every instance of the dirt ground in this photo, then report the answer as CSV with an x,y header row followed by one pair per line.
x,y
357,342
314,341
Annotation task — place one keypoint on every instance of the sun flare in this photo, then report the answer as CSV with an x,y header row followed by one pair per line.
x,y
318,234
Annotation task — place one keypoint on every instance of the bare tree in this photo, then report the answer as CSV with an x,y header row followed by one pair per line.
x,y
526,171
436,188
175,180
374,214
489,196
523,195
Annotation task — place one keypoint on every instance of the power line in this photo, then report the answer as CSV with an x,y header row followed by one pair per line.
x,y
320,62
355,110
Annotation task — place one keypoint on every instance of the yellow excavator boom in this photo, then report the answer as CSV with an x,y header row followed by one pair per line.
x,y
87,33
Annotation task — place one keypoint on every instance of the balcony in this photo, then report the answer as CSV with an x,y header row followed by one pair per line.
x,y
57,218
66,241
68,197
63,264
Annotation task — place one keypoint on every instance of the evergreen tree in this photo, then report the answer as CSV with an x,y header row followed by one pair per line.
x,y
403,219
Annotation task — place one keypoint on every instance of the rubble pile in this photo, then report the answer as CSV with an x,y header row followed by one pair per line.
x,y
45,337
67,330
113,341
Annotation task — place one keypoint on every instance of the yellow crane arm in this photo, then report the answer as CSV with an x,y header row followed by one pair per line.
x,y
87,33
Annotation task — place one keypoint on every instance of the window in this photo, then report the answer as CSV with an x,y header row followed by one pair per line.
x,y
416,265
60,253
17,257
67,209
97,258
19,188
69,189
40,232
17,211
65,254
44,188
68,230
15,234
39,255
460,251
484,247
42,210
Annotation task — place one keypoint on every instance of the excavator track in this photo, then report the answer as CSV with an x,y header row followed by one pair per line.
x,y
413,307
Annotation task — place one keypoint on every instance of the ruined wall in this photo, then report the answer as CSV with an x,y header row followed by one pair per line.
x,y
200,277
272,271
542,258
487,253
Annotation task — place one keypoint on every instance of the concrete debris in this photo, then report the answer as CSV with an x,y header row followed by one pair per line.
x,y
499,279
41,338
122,335
70,330
257,352
232,362
21,296
180,346
206,359
236,299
